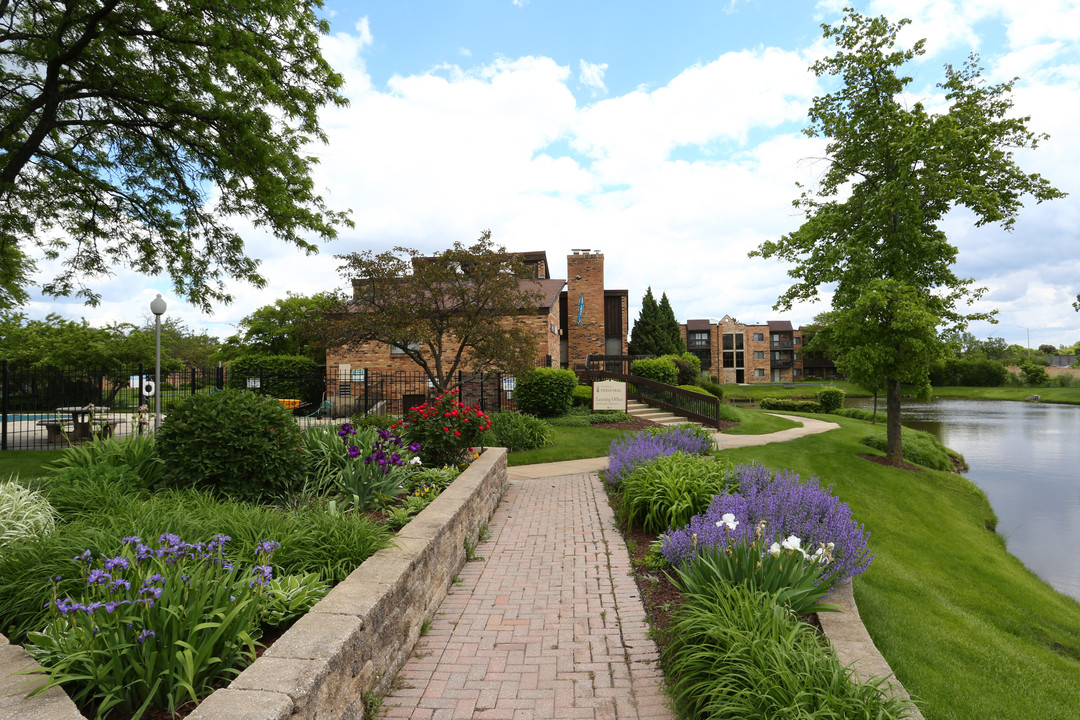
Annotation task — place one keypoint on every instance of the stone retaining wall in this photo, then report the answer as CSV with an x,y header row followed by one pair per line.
x,y
347,649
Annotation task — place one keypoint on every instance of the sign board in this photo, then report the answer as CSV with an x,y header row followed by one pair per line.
x,y
609,395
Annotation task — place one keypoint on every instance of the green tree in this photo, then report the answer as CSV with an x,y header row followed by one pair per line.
x,y
645,335
121,121
287,327
669,326
446,312
893,171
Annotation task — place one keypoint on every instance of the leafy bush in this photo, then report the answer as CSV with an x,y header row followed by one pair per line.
x,y
153,626
89,491
668,490
788,507
278,376
627,452
687,366
517,432
728,413
709,385
546,392
860,414
373,467
738,655
234,441
830,399
1063,380
379,422
807,406
696,389
1033,374
136,452
917,447
657,369
23,513
582,396
446,429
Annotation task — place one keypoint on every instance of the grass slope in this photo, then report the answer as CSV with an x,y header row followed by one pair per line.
x,y
967,628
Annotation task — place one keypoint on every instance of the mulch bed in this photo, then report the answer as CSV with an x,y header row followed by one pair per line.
x,y
634,423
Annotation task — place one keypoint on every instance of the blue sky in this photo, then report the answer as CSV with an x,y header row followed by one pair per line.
x,y
666,136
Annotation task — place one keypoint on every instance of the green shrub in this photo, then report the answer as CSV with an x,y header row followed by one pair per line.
x,y
379,422
545,392
1063,380
23,513
917,447
136,452
831,399
807,406
695,388
687,366
233,441
1034,374
729,413
656,369
582,396
860,414
517,432
737,654
608,416
968,372
667,491
89,491
571,419
710,385
278,376
291,596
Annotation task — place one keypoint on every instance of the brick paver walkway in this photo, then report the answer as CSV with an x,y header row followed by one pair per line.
x,y
548,625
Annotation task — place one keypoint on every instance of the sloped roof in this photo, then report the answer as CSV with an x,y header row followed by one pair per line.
x,y
696,325
780,326
549,290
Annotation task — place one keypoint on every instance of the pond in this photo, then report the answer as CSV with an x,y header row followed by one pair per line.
x,y
1026,458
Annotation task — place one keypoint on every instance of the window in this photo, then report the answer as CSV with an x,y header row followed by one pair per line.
x,y
776,337
797,372
394,350
729,341
759,372
759,354
798,341
759,337
795,356
729,359
739,342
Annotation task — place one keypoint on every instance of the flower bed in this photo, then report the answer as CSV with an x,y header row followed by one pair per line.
x,y
347,649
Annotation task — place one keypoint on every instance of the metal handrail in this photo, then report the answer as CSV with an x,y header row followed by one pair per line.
x,y
699,407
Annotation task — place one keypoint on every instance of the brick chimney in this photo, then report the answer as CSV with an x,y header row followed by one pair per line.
x,y
584,305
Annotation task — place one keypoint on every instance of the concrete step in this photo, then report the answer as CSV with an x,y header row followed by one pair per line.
x,y
660,417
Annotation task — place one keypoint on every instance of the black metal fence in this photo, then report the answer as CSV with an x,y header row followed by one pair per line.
x,y
51,407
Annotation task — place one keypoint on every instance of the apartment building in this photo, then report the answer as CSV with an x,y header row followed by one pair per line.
x,y
737,352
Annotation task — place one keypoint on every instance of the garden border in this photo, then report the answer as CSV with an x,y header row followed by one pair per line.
x,y
342,656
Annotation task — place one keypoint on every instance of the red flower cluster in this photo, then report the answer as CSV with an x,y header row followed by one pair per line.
x,y
445,428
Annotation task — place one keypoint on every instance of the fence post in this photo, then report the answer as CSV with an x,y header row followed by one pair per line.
x,y
142,381
460,391
499,387
367,399
483,379
4,407
219,379
192,381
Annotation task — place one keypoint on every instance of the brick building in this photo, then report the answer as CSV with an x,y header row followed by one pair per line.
x,y
736,352
576,317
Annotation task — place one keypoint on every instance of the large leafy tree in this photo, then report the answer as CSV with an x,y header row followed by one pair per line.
x,y
132,130
893,171
450,311
286,327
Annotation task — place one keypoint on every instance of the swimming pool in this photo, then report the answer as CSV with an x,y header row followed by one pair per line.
x,y
14,417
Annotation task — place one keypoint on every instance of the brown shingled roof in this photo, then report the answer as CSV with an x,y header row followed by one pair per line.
x,y
780,326
693,325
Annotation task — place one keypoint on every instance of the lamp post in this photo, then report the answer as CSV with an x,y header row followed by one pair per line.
x,y
157,306
1028,334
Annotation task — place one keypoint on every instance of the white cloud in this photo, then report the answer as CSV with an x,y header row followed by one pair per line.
x,y
592,77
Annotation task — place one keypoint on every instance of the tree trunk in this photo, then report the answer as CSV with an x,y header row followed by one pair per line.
x,y
893,447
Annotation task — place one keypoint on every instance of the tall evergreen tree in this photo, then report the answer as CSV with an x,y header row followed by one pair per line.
x,y
645,335
669,326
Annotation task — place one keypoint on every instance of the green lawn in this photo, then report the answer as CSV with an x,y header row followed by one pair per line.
x,y
758,422
969,631
25,463
570,443
1070,395
756,391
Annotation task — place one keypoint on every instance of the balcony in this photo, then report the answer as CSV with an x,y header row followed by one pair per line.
x,y
783,364
781,345
697,344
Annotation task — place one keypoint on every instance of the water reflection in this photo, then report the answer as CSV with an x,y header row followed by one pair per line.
x,y
1025,457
